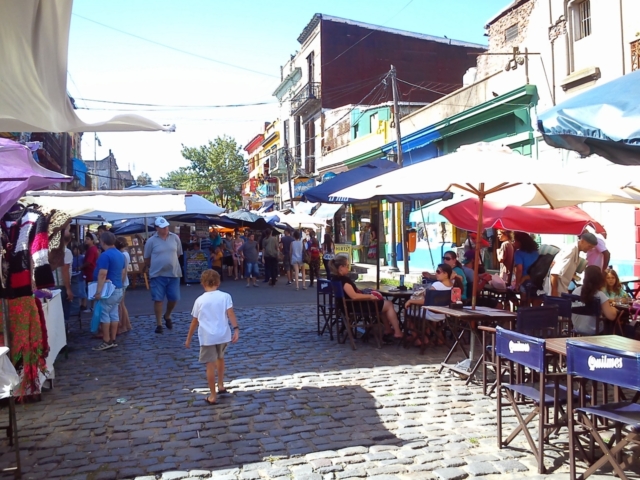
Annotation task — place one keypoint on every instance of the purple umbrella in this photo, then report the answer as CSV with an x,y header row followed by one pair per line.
x,y
19,172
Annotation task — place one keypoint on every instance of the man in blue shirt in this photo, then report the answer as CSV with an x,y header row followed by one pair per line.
x,y
109,268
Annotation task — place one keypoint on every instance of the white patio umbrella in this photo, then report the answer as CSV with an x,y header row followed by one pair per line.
x,y
297,220
491,173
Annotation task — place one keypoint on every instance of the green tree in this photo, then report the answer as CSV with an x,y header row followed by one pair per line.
x,y
217,170
144,179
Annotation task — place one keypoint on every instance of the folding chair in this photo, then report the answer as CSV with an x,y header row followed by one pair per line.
x,y
564,312
609,366
354,314
325,306
542,322
419,315
520,351
593,309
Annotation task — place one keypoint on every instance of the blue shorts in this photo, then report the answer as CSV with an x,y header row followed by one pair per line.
x,y
251,269
109,307
162,287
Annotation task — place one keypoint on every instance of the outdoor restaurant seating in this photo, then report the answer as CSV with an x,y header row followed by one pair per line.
x,y
564,311
540,321
600,364
326,308
530,388
352,315
419,316
591,309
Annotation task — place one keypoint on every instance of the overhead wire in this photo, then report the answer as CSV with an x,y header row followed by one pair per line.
x,y
175,49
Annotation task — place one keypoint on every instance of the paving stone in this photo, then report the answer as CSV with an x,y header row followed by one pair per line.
x,y
451,473
509,466
481,468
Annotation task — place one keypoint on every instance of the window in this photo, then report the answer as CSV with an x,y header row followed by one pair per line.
x,y
511,33
374,123
584,20
635,55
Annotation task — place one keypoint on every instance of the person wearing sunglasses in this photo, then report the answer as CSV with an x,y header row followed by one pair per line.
x,y
450,258
340,268
446,279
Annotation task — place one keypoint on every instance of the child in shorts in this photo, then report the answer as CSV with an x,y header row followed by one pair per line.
x,y
212,312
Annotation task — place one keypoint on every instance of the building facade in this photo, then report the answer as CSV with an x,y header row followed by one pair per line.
x,y
342,63
104,173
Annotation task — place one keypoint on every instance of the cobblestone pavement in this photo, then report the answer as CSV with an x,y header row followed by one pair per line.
x,y
302,407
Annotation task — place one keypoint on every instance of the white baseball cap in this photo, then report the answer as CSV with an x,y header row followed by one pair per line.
x,y
161,222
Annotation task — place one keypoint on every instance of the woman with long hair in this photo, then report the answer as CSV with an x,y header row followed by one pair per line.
x,y
505,255
340,268
445,280
314,257
124,325
612,286
590,291
297,259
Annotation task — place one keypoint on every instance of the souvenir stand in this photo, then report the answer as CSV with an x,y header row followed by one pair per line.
x,y
137,268
23,263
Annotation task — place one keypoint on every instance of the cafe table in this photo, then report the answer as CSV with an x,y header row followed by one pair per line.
x,y
465,320
559,345
396,296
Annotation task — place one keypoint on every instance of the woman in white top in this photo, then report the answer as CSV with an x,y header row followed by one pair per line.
x,y
592,289
125,323
297,258
445,280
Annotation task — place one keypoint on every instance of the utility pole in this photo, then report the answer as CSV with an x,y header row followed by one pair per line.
x,y
396,117
288,162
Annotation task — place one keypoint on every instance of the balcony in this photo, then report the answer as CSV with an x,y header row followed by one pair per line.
x,y
307,101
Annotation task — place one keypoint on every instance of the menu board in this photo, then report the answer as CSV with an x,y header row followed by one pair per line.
x,y
195,262
202,228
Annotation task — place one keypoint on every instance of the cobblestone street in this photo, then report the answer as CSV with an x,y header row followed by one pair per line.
x,y
301,407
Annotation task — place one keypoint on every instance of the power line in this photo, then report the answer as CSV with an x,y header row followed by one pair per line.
x,y
175,49
421,87
231,105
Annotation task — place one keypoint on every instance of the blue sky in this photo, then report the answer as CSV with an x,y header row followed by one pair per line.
x,y
106,64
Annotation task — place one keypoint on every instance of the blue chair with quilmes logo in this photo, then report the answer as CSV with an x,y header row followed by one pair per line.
x,y
325,307
529,385
621,369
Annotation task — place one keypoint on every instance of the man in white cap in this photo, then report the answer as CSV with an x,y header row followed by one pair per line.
x,y
161,254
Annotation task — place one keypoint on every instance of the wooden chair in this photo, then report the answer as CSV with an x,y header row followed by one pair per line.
x,y
531,389
419,316
352,315
594,363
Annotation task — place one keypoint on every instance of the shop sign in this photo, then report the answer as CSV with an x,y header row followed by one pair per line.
x,y
253,184
344,248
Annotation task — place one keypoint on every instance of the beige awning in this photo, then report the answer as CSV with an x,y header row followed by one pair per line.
x,y
34,35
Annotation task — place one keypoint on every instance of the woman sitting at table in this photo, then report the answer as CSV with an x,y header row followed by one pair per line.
x,y
340,268
445,280
612,287
590,290
451,258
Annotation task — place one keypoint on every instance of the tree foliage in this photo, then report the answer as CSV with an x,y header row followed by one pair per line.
x,y
144,179
217,171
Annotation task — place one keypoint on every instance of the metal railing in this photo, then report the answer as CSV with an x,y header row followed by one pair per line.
x,y
311,91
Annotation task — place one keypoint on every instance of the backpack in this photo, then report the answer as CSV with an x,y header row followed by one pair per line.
x,y
539,269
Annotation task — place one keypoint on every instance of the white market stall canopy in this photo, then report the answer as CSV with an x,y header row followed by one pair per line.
x,y
112,204
34,35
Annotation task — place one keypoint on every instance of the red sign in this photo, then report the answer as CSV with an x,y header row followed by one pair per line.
x,y
253,184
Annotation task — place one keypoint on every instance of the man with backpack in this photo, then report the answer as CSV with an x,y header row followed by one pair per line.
x,y
565,264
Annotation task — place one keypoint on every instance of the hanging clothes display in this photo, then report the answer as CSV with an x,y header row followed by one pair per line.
x,y
26,274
